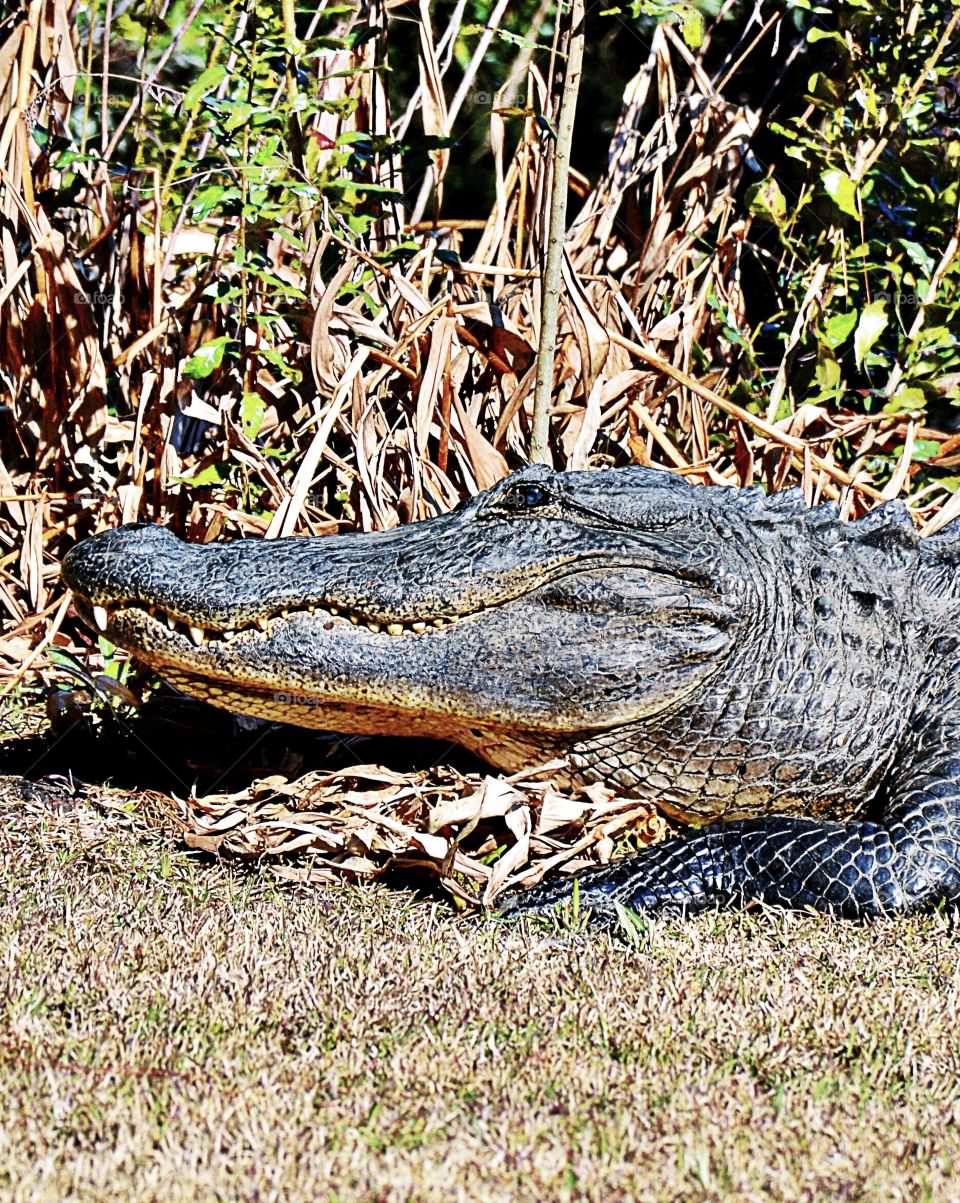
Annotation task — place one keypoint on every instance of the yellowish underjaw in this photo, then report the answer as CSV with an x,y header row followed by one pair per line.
x,y
201,635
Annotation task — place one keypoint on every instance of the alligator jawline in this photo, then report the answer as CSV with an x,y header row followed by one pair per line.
x,y
102,613
200,636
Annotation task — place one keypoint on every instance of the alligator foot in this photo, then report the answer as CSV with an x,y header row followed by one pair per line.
x,y
855,869
597,891
679,876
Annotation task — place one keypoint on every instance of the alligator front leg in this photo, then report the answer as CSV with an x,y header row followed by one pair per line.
x,y
910,861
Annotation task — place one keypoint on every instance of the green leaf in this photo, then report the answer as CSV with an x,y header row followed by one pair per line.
x,y
111,667
359,223
252,409
906,400
828,370
206,359
206,82
285,369
925,449
920,256
212,474
213,197
240,114
873,321
825,35
766,200
937,336
824,91
364,34
63,659
840,327
841,190
691,26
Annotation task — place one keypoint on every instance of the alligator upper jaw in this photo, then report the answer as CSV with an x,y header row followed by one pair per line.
x,y
124,619
382,582
391,581
160,638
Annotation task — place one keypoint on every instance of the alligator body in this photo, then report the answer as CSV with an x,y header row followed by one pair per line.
x,y
785,684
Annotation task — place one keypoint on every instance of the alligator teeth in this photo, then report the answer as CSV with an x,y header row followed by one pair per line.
x,y
100,617
198,636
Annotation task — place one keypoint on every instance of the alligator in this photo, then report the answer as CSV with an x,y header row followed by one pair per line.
x,y
783,685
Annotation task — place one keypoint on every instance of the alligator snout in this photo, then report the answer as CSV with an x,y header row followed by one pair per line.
x,y
107,565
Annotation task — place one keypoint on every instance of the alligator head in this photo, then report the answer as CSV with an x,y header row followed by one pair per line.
x,y
552,607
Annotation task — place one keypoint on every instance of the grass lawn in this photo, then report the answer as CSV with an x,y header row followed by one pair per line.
x,y
174,1029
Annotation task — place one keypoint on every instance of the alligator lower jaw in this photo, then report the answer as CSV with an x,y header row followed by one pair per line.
x,y
264,673
104,619
216,673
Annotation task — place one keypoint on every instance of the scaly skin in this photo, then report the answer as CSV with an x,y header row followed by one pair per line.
x,y
741,661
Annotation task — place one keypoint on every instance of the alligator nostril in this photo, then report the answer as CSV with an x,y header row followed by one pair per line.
x,y
328,626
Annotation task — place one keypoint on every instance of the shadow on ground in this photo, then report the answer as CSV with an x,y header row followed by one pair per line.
x,y
174,744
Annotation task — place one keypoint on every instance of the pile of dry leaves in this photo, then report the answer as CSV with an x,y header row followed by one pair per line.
x,y
479,835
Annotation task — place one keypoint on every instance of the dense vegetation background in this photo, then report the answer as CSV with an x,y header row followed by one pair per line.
x,y
275,267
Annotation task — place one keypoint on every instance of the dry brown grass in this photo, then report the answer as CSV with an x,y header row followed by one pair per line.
x,y
481,834
176,1031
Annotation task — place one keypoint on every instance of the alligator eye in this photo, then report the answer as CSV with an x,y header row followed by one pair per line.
x,y
527,497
